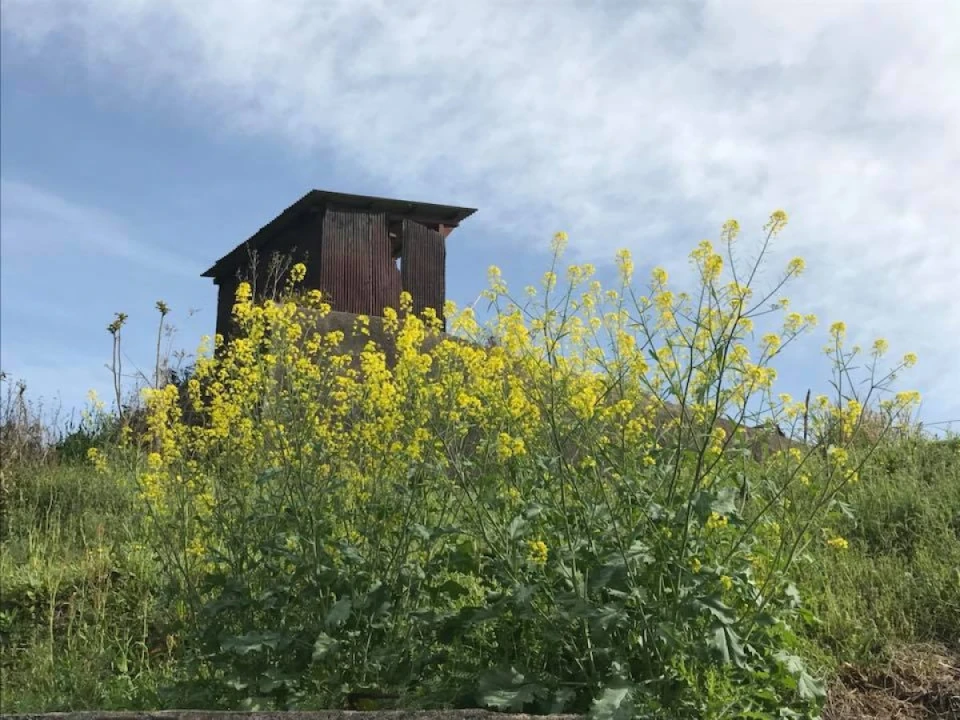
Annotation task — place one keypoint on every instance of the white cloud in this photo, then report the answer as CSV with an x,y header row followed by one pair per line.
x,y
35,222
625,123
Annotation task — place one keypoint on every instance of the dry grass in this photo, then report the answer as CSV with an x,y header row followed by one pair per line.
x,y
919,682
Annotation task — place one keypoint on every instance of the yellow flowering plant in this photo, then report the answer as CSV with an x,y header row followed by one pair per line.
x,y
566,493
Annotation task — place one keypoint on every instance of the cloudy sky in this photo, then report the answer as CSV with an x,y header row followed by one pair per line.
x,y
142,139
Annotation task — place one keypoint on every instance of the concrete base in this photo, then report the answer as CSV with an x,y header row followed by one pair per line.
x,y
295,715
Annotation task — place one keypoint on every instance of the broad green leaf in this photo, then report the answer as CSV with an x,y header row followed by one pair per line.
x,y
532,510
251,642
614,703
724,641
339,612
420,531
515,529
639,550
723,502
522,594
603,576
453,589
561,701
810,688
322,646
506,690
720,610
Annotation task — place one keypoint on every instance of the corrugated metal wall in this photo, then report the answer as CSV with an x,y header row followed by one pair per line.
x,y
422,267
347,258
384,275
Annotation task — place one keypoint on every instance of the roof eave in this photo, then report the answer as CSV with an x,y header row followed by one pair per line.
x,y
425,212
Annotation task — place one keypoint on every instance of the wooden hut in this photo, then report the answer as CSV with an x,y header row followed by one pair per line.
x,y
360,251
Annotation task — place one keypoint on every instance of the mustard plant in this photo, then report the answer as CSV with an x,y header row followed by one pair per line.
x,y
568,518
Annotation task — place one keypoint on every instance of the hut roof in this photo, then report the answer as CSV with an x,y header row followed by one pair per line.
x,y
316,200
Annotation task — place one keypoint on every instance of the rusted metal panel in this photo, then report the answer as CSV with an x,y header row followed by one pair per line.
x,y
345,261
385,276
423,264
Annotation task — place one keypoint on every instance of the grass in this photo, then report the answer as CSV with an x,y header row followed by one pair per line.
x,y
78,614
899,583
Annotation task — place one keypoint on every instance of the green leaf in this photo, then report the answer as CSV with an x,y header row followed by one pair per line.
x,y
725,642
251,642
532,510
720,610
614,703
322,646
603,617
847,510
793,595
602,577
808,687
506,690
561,700
339,612
639,550
521,595
723,502
420,531
267,475
515,529
791,663
453,589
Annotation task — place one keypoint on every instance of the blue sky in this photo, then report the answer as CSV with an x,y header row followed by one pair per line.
x,y
142,140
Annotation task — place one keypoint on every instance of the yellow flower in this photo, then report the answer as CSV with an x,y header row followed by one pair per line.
x,y
696,565
838,330
907,397
625,265
731,228
559,243
509,447
98,459
538,552
796,266
726,581
549,280
838,543
910,359
716,521
778,220
195,549
771,341
838,455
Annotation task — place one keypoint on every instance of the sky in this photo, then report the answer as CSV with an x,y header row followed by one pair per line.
x,y
140,140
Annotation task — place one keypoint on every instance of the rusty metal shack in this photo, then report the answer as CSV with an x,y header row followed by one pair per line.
x,y
360,251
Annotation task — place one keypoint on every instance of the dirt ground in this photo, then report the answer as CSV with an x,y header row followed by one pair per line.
x,y
920,682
